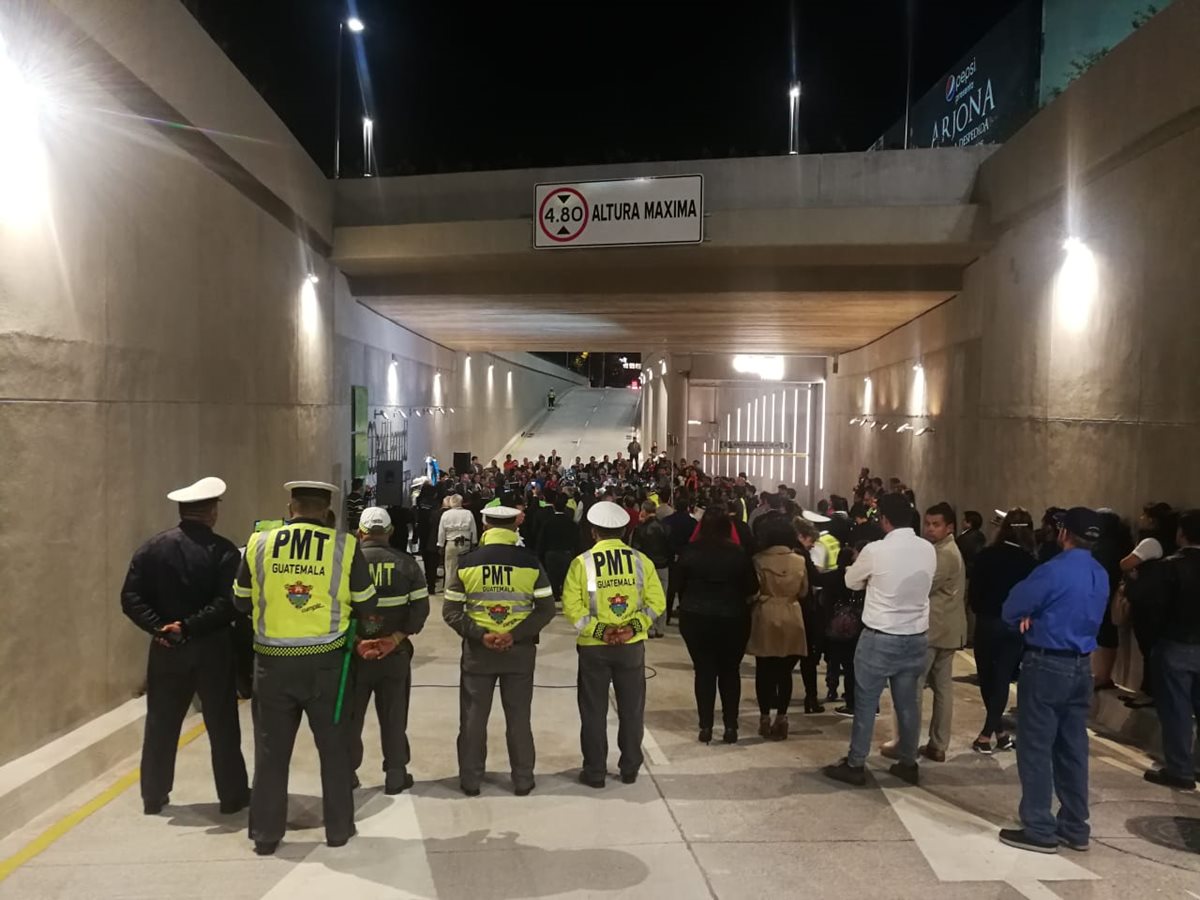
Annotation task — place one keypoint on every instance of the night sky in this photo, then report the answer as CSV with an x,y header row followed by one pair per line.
x,y
456,86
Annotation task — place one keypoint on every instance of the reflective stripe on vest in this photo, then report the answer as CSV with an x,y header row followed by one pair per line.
x,y
594,612
301,589
498,611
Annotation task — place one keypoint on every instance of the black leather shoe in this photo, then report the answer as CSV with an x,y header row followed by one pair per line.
x,y
229,807
266,848
470,792
705,736
628,777
525,791
342,842
730,736
355,784
154,807
596,783
907,772
393,788
1164,778
812,707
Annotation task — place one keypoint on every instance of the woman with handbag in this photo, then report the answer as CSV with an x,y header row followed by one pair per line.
x,y
843,611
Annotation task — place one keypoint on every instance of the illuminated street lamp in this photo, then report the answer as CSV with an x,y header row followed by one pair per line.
x,y
794,119
356,26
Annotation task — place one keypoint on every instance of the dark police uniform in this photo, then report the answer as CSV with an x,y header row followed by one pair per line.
x,y
183,575
301,581
403,607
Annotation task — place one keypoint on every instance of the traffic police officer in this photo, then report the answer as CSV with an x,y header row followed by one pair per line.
x,y
177,590
384,663
499,600
825,559
612,596
301,582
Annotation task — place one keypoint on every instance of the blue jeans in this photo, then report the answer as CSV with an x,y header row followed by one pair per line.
x,y
1054,696
1177,697
898,660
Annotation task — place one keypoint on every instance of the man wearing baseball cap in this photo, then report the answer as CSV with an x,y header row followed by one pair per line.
x,y
383,666
612,596
499,599
1058,609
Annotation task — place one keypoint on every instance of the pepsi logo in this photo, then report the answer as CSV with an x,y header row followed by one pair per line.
x,y
951,88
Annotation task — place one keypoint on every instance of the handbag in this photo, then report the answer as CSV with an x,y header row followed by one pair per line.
x,y
1122,609
845,617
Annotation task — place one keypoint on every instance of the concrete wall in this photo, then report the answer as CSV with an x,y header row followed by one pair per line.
x,y
157,325
489,408
1027,410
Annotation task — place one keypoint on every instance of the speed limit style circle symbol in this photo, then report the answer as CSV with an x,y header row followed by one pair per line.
x,y
563,215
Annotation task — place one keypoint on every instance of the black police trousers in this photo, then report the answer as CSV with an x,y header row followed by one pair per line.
x,y
174,675
284,688
389,680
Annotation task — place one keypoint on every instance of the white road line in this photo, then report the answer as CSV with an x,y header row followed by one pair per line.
x,y
1117,764
1134,756
653,750
1031,888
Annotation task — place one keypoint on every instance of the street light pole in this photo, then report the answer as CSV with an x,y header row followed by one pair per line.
x,y
356,26
337,107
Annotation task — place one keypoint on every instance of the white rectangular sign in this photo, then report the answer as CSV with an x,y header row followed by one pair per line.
x,y
661,210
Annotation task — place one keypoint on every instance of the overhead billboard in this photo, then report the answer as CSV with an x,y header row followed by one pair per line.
x,y
620,212
988,94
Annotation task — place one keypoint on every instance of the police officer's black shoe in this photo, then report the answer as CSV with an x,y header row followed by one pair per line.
x,y
229,807
628,777
470,792
524,791
392,788
586,779
341,842
266,848
154,807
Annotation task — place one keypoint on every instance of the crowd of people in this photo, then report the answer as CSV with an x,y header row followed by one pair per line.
x,y
885,595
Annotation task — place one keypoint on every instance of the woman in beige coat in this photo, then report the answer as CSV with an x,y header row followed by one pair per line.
x,y
777,636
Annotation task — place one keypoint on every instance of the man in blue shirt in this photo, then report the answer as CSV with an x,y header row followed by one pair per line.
x,y
1059,609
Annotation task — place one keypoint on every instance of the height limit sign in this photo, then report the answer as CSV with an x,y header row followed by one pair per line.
x,y
620,212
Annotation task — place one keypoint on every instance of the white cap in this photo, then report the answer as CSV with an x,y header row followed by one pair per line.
x,y
500,513
374,518
205,489
311,485
607,514
816,518
1001,513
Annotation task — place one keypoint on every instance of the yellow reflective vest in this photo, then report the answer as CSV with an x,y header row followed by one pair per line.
x,y
832,548
612,586
498,583
298,582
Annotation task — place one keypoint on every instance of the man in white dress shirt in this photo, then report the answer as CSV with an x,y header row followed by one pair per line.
x,y
897,573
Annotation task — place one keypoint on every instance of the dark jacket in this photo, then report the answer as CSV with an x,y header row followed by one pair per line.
x,y
1182,606
395,574
182,575
715,579
1166,596
652,539
680,525
558,532
970,544
998,569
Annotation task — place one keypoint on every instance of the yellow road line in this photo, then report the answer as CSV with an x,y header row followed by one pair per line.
x,y
71,819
